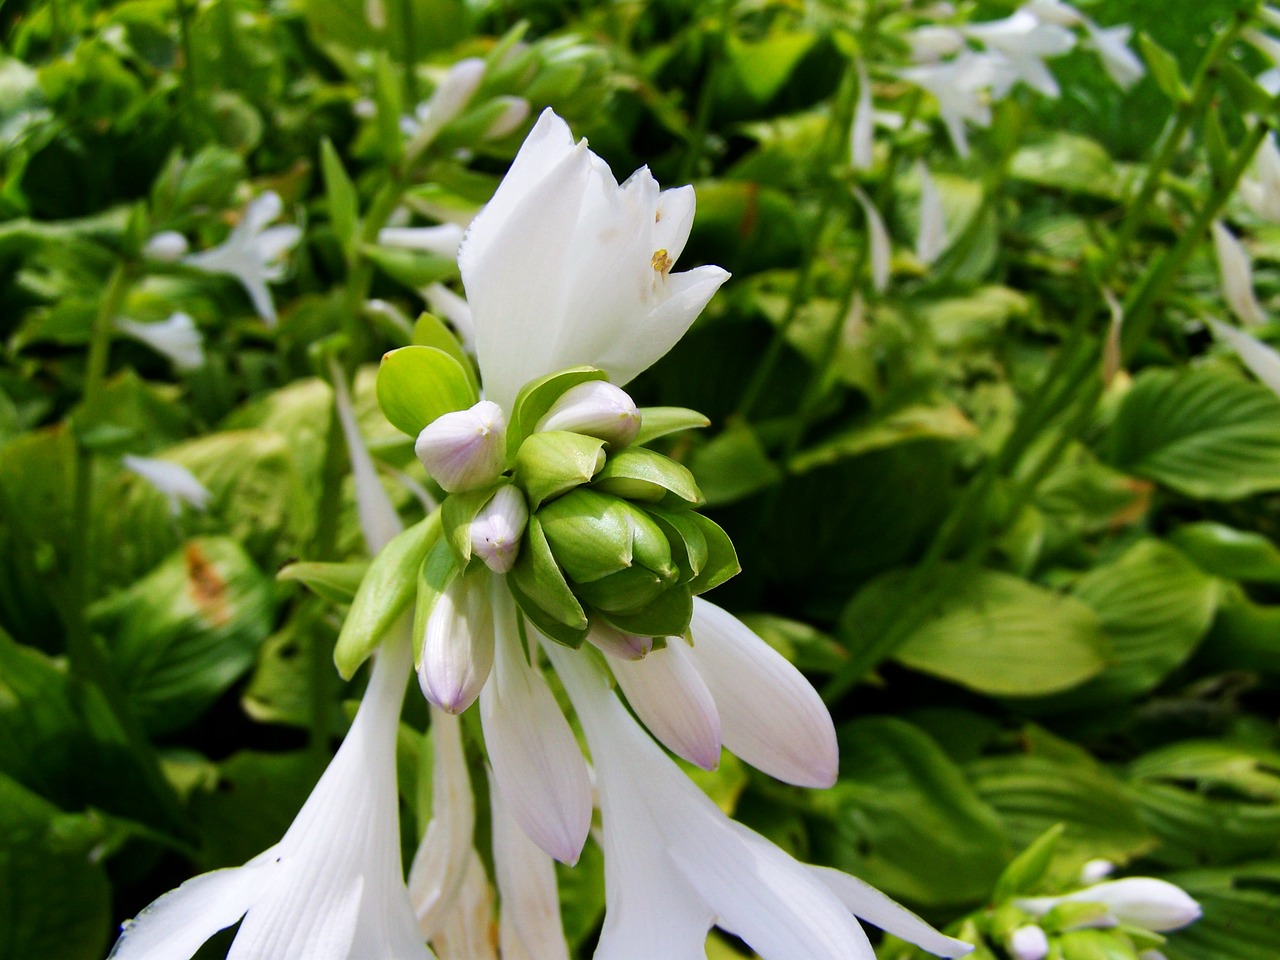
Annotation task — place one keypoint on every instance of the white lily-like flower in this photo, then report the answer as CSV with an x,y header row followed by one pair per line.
x,y
672,856
1028,942
1026,42
565,267
442,240
1236,275
879,241
465,449
931,241
862,136
1260,187
931,43
251,254
963,88
1259,357
176,482
178,338
1112,46
1144,902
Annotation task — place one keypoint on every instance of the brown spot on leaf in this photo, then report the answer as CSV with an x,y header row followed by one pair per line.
x,y
206,587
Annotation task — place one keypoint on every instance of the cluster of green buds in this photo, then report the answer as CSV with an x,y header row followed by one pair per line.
x,y
595,535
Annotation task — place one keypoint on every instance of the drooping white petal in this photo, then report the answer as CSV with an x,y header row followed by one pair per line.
x,y
869,904
931,241
667,693
930,43
444,855
449,306
1028,942
379,521
442,240
1055,11
1112,46
449,99
176,338
1138,901
529,900
465,449
458,644
878,239
770,714
467,930
673,219
1260,188
497,530
536,761
1259,357
963,88
176,482
597,409
1236,275
864,122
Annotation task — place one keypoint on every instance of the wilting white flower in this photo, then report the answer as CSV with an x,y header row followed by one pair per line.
x,y
1145,902
1028,943
252,252
1236,275
565,267
441,240
1026,42
450,98
962,87
167,246
177,338
1259,357
671,855
931,241
1112,47
864,122
1260,187
176,482
878,239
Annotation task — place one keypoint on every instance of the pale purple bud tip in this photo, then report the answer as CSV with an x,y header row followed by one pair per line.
x,y
595,409
1028,943
498,527
624,646
1095,871
466,449
168,246
457,646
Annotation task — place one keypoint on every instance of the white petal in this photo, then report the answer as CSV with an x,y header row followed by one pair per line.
x,y
271,930
770,715
458,644
1028,943
878,238
666,692
864,121
443,858
514,112
1259,357
450,98
1236,276
596,409
1095,871
1143,902
528,896
168,246
173,480
931,242
467,933
869,904
273,242
379,521
177,338
536,760
624,646
1112,45
175,926
673,219
259,212
441,240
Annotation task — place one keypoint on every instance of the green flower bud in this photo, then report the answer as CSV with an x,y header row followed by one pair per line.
x,y
590,534
640,474
553,463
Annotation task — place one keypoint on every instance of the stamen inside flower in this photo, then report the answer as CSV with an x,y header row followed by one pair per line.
x,y
661,261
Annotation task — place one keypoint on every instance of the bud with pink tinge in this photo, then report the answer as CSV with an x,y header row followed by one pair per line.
x,y
498,527
596,409
466,449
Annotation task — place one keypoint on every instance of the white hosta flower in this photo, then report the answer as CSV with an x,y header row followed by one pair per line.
x,y
930,43
1055,11
177,338
442,240
332,887
1026,42
466,449
1259,357
675,864
1236,275
450,98
176,482
1095,871
597,409
1145,902
251,254
878,239
514,112
565,267
167,246
1028,943
931,241
1112,46
1260,188
457,644
862,137
962,87
498,527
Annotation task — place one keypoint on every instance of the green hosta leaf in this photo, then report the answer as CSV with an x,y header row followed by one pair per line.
x,y
340,194
418,384
1202,432
281,689
904,426
733,465
1227,552
537,397
811,650
335,582
554,462
1067,161
184,633
658,422
1239,919
904,819
998,634
385,593
55,900
1197,828
1253,772
1244,634
639,474
1164,68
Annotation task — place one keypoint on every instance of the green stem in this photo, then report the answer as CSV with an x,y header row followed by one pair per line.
x,y
410,51
187,77
715,39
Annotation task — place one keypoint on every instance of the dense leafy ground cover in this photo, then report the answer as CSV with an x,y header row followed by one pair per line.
x,y
994,484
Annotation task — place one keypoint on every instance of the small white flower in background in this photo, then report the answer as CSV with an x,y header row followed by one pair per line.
x,y
1026,42
862,137
515,110
168,246
931,43
1055,11
177,338
252,252
442,240
880,243
176,482
1260,187
1112,46
931,241
450,98
962,87
1028,943
1259,357
1144,902
1236,276
1095,871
